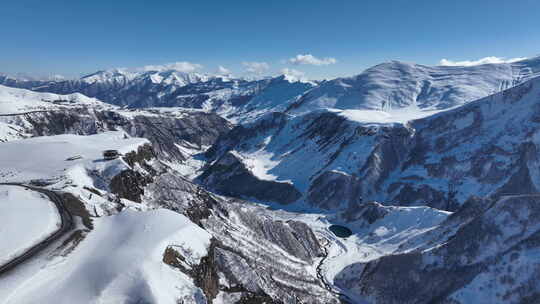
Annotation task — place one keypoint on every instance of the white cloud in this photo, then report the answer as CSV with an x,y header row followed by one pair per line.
x,y
223,71
485,60
182,66
256,67
293,75
310,59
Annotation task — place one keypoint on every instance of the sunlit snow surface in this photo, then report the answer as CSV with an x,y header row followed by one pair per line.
x,y
120,261
385,117
396,85
13,101
48,157
26,218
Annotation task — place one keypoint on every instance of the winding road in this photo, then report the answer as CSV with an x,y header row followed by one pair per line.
x,y
66,225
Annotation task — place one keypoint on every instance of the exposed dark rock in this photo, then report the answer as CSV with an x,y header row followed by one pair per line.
x,y
255,256
205,274
368,212
129,184
334,189
425,195
77,208
173,192
229,176
143,154
197,129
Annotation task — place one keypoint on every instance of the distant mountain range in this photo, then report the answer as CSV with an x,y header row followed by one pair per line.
x,y
171,88
393,87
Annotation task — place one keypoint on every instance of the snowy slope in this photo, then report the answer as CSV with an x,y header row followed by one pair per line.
x,y
14,101
11,132
48,157
17,205
397,229
401,134
294,149
486,147
120,261
273,95
398,86
235,99
484,253
377,231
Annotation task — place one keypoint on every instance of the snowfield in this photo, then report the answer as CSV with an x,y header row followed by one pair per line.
x,y
397,85
120,261
374,117
17,231
49,157
10,132
16,101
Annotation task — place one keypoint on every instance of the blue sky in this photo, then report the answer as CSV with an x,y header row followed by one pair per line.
x,y
74,37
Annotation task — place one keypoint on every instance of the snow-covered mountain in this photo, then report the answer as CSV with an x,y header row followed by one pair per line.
x,y
236,99
406,87
404,90
330,160
487,252
175,133
406,183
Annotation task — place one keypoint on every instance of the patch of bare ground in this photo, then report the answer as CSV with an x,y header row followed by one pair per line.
x,y
206,278
69,244
77,208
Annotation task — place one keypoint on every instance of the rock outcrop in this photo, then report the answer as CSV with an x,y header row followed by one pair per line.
x,y
230,176
252,256
335,189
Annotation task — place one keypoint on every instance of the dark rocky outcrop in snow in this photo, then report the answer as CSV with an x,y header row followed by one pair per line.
x,y
173,192
262,256
230,176
130,183
334,189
